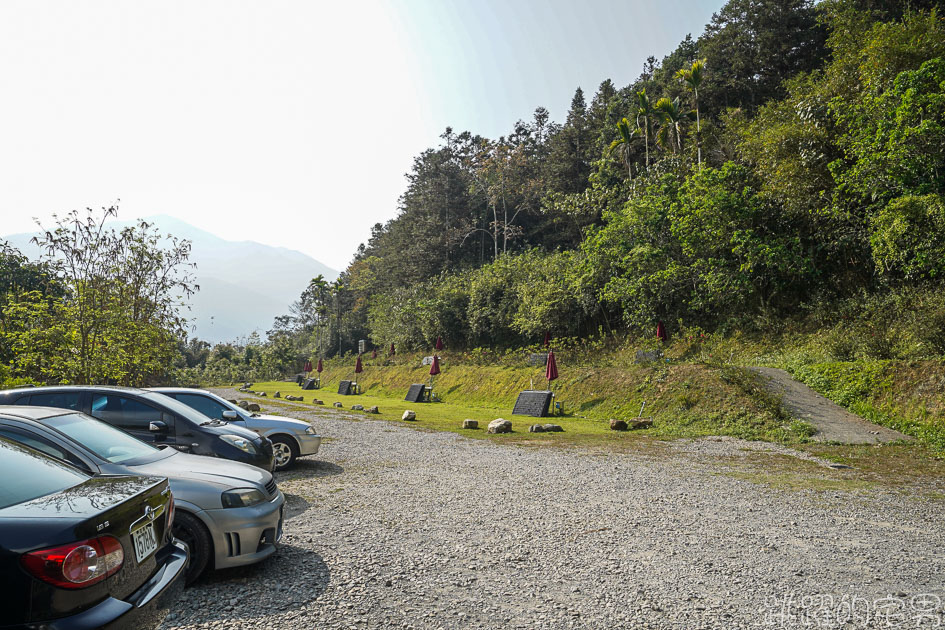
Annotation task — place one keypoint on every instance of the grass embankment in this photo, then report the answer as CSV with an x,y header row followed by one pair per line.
x,y
683,399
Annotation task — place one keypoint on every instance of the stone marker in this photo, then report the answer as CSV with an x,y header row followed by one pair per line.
x,y
536,428
357,407
537,359
640,423
409,415
252,407
373,409
500,425
617,425
644,356
338,404
277,395
470,424
427,360
553,428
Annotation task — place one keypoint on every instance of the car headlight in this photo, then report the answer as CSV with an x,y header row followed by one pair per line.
x,y
239,442
242,497
310,430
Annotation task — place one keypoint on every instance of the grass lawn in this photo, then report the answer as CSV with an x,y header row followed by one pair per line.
x,y
449,416
885,465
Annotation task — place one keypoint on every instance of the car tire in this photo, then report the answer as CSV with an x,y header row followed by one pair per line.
x,y
188,528
284,451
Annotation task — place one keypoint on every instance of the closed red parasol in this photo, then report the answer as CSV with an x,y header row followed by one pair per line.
x,y
318,368
551,368
358,368
435,367
308,366
661,332
439,343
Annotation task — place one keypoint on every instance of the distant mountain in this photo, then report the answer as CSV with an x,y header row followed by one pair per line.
x,y
244,285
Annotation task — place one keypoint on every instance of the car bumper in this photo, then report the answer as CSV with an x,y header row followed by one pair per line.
x,y
308,444
245,535
143,609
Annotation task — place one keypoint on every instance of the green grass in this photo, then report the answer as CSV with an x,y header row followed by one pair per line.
x,y
683,399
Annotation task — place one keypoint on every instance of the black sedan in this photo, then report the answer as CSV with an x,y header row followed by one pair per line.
x,y
154,418
84,552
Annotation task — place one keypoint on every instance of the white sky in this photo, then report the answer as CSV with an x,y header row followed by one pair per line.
x,y
288,123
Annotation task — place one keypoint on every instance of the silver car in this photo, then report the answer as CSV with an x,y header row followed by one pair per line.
x,y
290,438
229,513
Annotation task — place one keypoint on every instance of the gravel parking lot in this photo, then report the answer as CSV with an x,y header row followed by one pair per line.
x,y
392,527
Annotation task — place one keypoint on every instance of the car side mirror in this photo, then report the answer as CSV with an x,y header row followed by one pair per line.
x,y
229,414
157,426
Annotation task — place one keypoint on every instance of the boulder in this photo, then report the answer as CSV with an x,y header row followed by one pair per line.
x,y
470,424
409,415
263,394
553,428
277,395
247,385
500,425
357,407
617,425
640,423
252,407
373,409
243,404
339,405
316,401
536,428
232,400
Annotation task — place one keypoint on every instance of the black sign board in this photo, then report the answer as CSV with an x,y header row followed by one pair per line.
x,y
309,383
532,403
415,394
344,388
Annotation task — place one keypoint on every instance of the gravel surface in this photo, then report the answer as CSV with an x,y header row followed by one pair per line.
x,y
392,527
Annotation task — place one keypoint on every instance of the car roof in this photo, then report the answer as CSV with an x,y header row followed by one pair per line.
x,y
25,412
101,388
182,390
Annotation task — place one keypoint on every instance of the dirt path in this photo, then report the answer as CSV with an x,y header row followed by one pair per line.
x,y
833,422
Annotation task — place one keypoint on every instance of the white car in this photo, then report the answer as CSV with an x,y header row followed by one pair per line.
x,y
290,438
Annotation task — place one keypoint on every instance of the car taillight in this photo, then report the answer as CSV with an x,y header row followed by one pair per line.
x,y
76,565
170,513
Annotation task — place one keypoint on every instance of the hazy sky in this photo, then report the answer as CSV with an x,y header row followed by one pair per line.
x,y
288,123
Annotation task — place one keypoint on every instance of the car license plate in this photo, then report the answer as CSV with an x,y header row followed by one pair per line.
x,y
145,542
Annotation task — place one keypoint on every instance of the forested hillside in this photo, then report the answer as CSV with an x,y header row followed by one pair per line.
x,y
787,160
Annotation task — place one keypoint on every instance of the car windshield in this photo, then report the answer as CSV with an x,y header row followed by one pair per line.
x,y
101,438
177,407
27,474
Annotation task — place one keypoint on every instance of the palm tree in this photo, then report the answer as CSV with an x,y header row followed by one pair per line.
x,y
622,143
671,118
692,77
645,111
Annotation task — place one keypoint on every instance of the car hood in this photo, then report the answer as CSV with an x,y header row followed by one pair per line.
x,y
279,421
223,472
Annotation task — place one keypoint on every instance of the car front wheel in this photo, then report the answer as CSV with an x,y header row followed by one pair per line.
x,y
189,529
284,452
